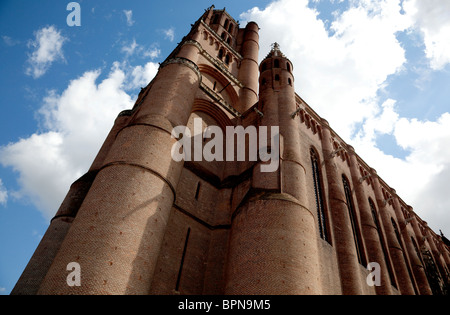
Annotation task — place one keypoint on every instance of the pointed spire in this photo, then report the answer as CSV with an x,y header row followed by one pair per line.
x,y
275,46
275,52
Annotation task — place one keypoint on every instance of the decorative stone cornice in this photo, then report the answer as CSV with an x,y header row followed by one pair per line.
x,y
126,113
219,100
183,61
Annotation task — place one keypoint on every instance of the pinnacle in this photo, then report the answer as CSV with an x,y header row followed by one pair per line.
x,y
275,52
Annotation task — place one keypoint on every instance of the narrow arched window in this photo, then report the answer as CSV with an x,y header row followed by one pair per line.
x,y
276,63
318,191
397,233
216,19
355,227
277,77
264,67
382,242
230,29
288,67
227,59
220,54
226,24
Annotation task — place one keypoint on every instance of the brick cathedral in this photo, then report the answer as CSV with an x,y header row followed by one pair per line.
x,y
139,222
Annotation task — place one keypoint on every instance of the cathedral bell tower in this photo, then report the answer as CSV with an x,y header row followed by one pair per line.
x,y
114,219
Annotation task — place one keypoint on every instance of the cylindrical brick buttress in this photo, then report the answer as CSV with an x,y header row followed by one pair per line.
x,y
117,235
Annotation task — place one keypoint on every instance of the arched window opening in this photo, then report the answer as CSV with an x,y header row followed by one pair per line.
x,y
229,40
230,29
223,35
264,67
382,242
313,127
277,77
264,81
226,24
290,81
288,67
397,233
227,59
220,56
318,191
276,63
216,19
355,227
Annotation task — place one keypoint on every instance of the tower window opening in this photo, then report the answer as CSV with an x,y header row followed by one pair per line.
x,y
264,67
230,29
226,24
227,59
276,63
290,82
223,36
229,40
220,54
288,66
277,77
216,19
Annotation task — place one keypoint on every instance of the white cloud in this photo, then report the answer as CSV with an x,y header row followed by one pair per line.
x,y
141,76
77,122
134,48
169,34
3,194
130,49
432,18
384,123
9,41
47,49
129,16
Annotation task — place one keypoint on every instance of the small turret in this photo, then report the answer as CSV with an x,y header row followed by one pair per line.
x,y
276,70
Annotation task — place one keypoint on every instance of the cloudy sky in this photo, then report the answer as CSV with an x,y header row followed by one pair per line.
x,y
377,70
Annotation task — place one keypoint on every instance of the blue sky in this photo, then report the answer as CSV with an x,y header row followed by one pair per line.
x,y
377,70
